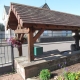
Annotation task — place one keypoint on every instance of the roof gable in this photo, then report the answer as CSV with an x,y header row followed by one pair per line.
x,y
6,9
46,6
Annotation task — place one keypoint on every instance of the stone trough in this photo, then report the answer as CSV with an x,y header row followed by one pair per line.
x,y
50,61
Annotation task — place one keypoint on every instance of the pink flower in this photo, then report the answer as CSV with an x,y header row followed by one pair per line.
x,y
14,42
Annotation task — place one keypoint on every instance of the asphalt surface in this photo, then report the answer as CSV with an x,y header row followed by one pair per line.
x,y
5,51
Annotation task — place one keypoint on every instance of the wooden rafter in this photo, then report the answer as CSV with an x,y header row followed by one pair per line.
x,y
38,35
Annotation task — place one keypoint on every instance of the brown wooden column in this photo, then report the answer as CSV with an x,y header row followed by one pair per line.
x,y
20,48
30,46
77,39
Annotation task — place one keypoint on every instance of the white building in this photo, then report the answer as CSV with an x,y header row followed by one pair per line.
x,y
9,32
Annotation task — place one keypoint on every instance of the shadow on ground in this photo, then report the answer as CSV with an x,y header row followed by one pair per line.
x,y
52,54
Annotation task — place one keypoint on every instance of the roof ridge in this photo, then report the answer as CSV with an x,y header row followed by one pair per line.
x,y
44,9
28,6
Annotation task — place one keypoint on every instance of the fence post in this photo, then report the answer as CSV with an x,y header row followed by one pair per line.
x,y
12,56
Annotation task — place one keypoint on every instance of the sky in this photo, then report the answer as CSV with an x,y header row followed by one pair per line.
x,y
68,6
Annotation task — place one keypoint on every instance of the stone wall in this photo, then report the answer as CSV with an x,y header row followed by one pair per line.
x,y
31,69
55,39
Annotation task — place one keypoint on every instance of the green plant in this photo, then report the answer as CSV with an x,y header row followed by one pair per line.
x,y
45,74
65,75
60,78
70,76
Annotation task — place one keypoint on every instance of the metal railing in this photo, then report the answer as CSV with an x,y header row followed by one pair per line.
x,y
6,55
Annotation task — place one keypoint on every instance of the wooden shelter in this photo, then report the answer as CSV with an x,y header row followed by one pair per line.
x,y
28,19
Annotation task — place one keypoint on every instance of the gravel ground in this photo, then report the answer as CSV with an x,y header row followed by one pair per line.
x,y
16,76
12,76
72,68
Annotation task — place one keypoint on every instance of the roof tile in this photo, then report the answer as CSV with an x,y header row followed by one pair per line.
x,y
30,14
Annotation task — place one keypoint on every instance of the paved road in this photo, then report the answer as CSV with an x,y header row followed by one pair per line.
x,y
61,46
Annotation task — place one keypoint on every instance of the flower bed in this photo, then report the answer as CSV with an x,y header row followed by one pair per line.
x,y
59,74
45,74
69,76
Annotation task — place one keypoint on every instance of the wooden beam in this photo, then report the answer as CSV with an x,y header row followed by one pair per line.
x,y
21,36
51,27
30,46
55,27
38,35
34,30
24,30
20,48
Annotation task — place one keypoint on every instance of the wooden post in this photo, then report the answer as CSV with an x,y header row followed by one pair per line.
x,y
77,40
20,48
30,46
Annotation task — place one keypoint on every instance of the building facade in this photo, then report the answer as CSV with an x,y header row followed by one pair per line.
x,y
8,33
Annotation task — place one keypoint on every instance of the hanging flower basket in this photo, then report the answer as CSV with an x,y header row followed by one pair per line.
x,y
15,42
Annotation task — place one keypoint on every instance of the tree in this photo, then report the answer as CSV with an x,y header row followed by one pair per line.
x,y
2,27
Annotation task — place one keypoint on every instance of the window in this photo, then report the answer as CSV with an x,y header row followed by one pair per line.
x,y
45,33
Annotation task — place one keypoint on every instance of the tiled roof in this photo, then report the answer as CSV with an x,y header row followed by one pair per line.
x,y
7,9
35,15
44,6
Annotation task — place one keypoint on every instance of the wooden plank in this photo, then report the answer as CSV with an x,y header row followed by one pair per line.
x,y
24,30
19,36
30,46
38,35
53,27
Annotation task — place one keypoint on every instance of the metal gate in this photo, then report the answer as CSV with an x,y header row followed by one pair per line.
x,y
6,58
